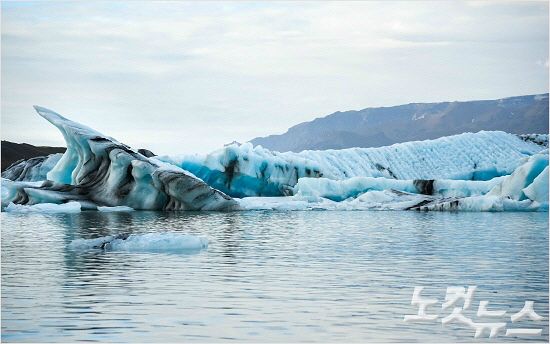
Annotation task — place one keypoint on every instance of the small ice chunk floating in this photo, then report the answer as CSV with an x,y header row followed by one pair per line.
x,y
149,242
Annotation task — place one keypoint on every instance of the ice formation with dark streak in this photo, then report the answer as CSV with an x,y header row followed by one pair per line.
x,y
484,171
99,170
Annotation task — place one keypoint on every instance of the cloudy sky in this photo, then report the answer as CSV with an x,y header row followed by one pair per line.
x,y
188,77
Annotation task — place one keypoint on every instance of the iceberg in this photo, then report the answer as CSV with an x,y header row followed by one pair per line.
x,y
538,189
45,208
151,242
526,189
33,169
116,209
484,171
339,190
281,203
372,200
97,169
539,139
244,170
10,191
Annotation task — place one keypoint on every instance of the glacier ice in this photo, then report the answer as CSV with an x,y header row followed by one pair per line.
x,y
485,171
118,208
512,186
281,203
150,242
11,190
372,200
33,169
339,190
539,139
244,170
46,208
526,189
538,189
98,169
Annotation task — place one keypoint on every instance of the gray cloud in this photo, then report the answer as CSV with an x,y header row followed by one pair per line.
x,y
185,77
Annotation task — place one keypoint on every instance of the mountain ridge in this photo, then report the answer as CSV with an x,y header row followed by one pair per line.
x,y
12,152
381,126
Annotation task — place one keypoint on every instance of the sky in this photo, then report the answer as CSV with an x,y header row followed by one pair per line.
x,y
184,77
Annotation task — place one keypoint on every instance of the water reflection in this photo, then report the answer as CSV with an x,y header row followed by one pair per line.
x,y
277,276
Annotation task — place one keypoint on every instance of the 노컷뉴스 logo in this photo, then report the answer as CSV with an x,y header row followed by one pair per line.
x,y
457,295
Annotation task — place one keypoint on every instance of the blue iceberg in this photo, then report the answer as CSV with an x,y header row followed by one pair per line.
x,y
484,171
244,170
97,170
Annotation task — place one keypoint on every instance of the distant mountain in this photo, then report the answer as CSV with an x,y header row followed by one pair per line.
x,y
12,152
375,127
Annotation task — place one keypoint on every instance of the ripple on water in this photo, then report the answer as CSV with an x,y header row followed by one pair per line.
x,y
277,276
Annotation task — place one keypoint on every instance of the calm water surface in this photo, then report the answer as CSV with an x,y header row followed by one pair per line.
x,y
269,276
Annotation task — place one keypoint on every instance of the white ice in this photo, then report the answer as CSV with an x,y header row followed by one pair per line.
x,y
34,169
372,200
151,242
100,170
485,171
244,170
526,189
119,208
339,190
46,208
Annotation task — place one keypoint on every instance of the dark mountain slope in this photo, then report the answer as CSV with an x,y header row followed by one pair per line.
x,y
374,127
12,152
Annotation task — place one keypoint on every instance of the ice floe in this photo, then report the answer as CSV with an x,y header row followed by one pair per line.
x,y
46,208
150,242
119,208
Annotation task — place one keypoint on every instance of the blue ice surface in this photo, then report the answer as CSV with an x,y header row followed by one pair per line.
x,y
244,170
496,164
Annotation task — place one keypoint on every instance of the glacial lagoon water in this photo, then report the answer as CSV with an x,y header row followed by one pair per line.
x,y
270,276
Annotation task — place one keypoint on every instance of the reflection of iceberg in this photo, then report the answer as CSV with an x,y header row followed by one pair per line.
x,y
481,171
